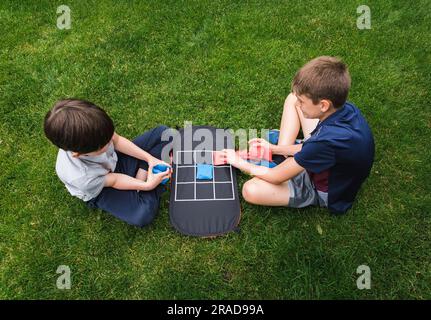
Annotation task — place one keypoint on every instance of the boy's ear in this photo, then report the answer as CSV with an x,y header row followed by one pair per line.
x,y
325,105
75,154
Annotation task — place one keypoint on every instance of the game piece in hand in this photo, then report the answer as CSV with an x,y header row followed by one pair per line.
x,y
204,172
243,154
161,168
259,152
218,159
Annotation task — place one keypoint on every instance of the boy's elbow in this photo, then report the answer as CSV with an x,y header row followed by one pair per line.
x,y
115,138
110,180
276,177
276,181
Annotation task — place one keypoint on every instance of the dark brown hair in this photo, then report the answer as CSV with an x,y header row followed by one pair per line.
x,y
323,78
78,125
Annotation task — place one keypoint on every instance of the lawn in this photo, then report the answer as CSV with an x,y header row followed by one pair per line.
x,y
226,64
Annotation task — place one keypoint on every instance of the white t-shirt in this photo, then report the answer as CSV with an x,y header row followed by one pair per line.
x,y
84,176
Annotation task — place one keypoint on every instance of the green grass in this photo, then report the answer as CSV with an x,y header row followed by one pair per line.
x,y
226,64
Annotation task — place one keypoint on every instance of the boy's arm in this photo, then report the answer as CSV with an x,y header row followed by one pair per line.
x,y
286,150
124,182
128,147
288,169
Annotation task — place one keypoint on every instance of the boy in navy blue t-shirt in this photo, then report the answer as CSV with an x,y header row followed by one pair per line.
x,y
337,154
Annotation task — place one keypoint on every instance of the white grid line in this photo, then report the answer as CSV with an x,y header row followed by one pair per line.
x,y
204,182
195,183
176,181
218,199
192,166
212,160
194,186
231,179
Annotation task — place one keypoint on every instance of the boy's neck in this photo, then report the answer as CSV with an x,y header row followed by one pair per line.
x,y
328,114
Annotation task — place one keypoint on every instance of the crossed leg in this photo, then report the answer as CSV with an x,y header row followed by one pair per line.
x,y
258,191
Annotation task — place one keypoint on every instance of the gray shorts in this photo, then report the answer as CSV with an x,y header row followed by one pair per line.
x,y
304,194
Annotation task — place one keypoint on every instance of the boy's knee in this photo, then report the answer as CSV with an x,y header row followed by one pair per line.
x,y
290,100
164,134
160,129
145,215
249,191
143,220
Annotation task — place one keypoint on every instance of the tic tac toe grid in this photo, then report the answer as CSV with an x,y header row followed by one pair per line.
x,y
188,188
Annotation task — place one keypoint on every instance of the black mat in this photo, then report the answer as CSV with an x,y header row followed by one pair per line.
x,y
203,207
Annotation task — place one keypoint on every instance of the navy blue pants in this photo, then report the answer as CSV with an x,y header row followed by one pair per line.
x,y
136,208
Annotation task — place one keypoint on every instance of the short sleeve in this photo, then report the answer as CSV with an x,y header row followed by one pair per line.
x,y
90,186
315,156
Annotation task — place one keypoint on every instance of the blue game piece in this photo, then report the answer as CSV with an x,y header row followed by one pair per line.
x,y
273,136
204,172
268,164
255,162
161,168
264,163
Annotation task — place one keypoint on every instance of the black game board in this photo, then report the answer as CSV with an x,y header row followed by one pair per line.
x,y
203,207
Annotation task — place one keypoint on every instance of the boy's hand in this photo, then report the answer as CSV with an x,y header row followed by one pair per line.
x,y
154,161
153,179
263,143
231,157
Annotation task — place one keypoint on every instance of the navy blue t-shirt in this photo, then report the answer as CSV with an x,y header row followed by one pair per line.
x,y
338,156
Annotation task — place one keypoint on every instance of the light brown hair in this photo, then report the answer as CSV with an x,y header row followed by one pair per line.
x,y
323,78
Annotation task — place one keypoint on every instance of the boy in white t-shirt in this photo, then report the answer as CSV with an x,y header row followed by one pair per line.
x,y
103,168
